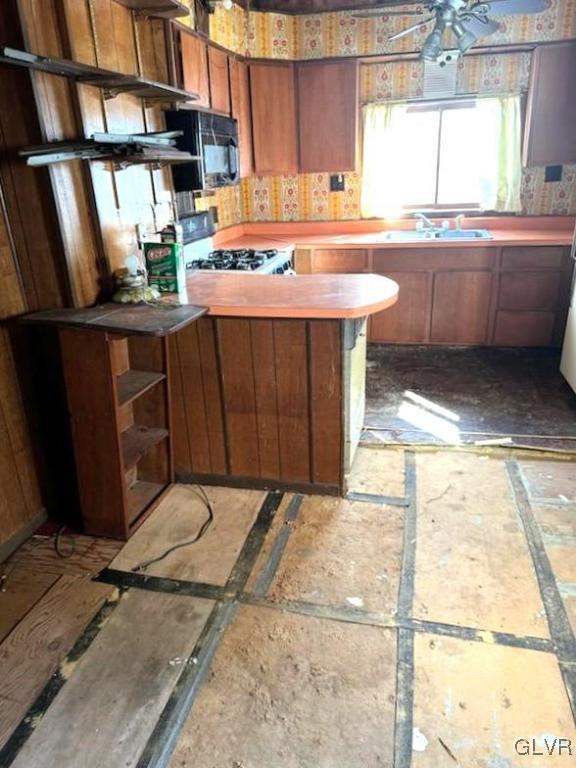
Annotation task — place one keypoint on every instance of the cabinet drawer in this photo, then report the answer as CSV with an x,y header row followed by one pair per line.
x,y
386,259
338,261
533,257
529,290
524,329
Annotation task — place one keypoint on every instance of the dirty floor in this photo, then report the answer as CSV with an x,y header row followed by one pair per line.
x,y
427,621
458,395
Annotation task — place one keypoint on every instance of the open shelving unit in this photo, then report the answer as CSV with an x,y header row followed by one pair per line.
x,y
112,83
116,373
165,9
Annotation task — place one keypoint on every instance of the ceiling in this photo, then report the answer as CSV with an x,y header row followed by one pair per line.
x,y
311,6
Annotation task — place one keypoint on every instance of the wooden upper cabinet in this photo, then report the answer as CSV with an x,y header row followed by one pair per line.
x,y
328,115
551,114
240,97
219,83
195,68
274,118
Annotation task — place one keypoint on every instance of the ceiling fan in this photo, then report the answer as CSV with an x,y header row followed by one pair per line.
x,y
469,21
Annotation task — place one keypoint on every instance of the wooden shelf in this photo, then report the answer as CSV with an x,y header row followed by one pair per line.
x,y
137,441
132,384
139,497
113,83
165,9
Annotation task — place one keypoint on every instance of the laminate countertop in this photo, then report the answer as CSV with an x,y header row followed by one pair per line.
x,y
529,231
291,296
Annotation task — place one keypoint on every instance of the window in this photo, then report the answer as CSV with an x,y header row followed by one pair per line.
x,y
453,155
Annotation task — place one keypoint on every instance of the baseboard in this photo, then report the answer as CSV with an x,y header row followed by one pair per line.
x,y
28,529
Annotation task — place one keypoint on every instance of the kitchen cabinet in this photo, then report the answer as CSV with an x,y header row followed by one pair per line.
x,y
511,296
219,82
240,99
551,112
328,110
409,319
274,125
461,307
195,68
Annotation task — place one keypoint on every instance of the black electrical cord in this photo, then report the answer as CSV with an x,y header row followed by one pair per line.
x,y
58,543
201,493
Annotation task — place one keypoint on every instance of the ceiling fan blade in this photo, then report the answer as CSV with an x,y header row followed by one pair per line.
x,y
383,12
511,7
411,29
480,27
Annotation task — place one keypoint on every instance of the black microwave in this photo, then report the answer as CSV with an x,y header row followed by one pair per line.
x,y
213,139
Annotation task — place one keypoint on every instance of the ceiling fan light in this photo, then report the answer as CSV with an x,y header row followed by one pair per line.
x,y
466,40
432,47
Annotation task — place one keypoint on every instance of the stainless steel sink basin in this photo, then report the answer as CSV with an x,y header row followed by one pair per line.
x,y
414,236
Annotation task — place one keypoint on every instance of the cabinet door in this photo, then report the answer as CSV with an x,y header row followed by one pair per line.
x,y
195,68
240,96
551,113
274,118
529,291
525,329
328,115
219,84
461,307
409,319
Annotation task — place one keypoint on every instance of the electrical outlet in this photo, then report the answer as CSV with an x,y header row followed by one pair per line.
x,y
337,183
553,173
214,211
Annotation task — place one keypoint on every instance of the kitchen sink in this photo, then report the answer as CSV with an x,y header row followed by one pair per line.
x,y
418,235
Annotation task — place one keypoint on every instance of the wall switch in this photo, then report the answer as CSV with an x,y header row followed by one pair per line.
x,y
553,173
337,183
214,211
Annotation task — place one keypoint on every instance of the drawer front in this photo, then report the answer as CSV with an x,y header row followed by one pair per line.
x,y
529,291
387,259
533,257
339,261
524,329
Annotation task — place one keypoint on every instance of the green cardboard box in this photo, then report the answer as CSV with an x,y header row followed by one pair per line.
x,y
165,265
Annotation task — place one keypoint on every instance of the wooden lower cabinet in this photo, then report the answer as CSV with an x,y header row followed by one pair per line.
x,y
512,296
409,319
461,307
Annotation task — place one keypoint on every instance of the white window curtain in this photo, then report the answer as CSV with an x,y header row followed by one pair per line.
x,y
499,144
495,144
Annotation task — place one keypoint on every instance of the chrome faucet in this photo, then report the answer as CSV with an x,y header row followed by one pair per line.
x,y
459,220
423,222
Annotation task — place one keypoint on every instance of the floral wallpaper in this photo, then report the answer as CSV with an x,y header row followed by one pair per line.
x,y
305,197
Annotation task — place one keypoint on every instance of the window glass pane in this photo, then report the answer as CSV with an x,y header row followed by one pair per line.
x,y
464,145
417,139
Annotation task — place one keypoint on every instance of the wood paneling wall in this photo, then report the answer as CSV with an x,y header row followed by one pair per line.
x,y
20,502
258,399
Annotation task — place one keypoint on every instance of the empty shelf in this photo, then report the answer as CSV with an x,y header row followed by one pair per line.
x,y
134,383
140,495
113,83
167,9
137,441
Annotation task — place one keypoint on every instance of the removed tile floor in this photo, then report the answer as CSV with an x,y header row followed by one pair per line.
x,y
426,621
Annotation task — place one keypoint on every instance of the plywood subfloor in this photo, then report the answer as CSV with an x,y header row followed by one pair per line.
x,y
126,676
33,650
293,692
343,553
472,561
299,679
474,701
178,518
378,471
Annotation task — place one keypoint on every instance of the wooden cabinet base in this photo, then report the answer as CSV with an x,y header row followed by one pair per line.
x,y
262,402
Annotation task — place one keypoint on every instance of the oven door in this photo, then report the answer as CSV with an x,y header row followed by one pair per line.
x,y
220,156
